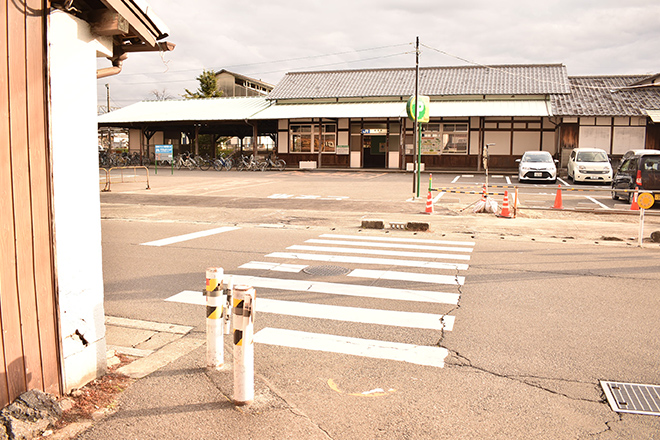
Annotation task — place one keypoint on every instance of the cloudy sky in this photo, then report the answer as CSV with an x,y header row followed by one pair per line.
x,y
265,39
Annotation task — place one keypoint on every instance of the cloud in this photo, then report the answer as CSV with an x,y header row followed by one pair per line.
x,y
266,39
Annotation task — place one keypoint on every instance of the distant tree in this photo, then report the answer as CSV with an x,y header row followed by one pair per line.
x,y
208,87
161,95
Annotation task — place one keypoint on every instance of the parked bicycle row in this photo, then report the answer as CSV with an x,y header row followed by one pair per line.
x,y
192,162
111,160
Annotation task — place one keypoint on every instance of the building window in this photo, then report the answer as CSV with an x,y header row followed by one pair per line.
x,y
305,138
440,138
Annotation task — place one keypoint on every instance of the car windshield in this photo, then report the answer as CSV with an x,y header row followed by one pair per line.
x,y
591,156
537,157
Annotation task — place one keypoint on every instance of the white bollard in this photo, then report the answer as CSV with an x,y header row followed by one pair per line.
x,y
214,323
243,300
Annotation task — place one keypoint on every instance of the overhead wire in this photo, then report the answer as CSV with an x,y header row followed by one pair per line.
x,y
286,60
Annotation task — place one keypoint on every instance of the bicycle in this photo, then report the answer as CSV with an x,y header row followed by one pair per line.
x,y
276,164
246,163
223,162
185,160
203,163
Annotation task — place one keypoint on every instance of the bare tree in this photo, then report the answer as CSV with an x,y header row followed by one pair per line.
x,y
161,95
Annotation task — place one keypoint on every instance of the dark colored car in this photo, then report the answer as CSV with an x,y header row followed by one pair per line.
x,y
638,170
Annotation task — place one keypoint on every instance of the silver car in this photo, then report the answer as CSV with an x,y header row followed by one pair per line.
x,y
537,165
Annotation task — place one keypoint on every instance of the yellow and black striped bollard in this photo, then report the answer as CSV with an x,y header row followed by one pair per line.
x,y
214,323
243,299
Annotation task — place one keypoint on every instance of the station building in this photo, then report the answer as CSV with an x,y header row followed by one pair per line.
x,y
357,118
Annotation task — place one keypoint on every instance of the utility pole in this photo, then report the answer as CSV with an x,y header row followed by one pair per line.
x,y
416,130
107,100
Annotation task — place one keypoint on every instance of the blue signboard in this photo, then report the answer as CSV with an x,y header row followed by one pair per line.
x,y
164,152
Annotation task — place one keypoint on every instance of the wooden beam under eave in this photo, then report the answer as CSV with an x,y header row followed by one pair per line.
x,y
136,19
108,23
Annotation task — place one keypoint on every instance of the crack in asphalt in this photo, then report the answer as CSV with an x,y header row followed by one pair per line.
x,y
524,379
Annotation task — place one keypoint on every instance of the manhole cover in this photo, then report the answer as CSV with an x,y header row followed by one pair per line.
x,y
632,397
325,270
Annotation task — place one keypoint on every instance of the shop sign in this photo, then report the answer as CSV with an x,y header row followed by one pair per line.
x,y
342,149
374,131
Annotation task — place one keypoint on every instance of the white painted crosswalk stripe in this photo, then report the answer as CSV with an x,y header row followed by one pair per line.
x,y
382,252
399,239
368,260
337,313
407,276
192,236
415,354
430,296
265,265
390,245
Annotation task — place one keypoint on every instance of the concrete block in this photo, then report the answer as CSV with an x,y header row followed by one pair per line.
x,y
373,224
417,226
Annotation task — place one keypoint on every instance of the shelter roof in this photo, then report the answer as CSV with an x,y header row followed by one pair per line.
x,y
227,109
620,95
541,79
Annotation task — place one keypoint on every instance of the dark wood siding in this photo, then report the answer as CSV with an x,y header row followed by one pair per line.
x,y
29,357
653,136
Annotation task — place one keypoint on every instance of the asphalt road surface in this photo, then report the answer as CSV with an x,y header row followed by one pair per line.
x,y
480,328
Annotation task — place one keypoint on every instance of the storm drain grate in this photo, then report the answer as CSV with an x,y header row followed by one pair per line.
x,y
633,397
327,270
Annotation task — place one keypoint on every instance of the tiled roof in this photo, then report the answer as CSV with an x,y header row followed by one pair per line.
x,y
606,96
539,79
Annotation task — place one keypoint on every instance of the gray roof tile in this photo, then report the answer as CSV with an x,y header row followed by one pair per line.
x,y
606,96
539,79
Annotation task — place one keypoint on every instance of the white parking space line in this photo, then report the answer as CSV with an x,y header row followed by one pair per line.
x,y
456,179
368,260
563,182
438,197
508,180
407,276
399,239
192,236
348,289
277,267
336,313
415,354
390,245
380,252
597,202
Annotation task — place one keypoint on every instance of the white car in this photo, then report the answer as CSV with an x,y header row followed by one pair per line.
x,y
589,164
537,165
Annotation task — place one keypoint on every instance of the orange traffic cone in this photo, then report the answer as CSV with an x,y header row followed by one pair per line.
x,y
505,207
558,202
429,204
634,206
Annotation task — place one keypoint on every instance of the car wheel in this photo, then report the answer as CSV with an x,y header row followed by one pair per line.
x,y
615,196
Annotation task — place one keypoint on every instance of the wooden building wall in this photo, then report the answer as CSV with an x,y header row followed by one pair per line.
x,y
29,342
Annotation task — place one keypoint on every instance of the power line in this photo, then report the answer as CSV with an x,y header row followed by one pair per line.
x,y
309,57
271,71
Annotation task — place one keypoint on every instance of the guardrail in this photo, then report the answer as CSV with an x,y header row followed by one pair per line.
x,y
106,183
515,191
123,178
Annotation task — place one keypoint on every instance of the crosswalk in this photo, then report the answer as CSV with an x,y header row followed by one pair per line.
x,y
433,270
